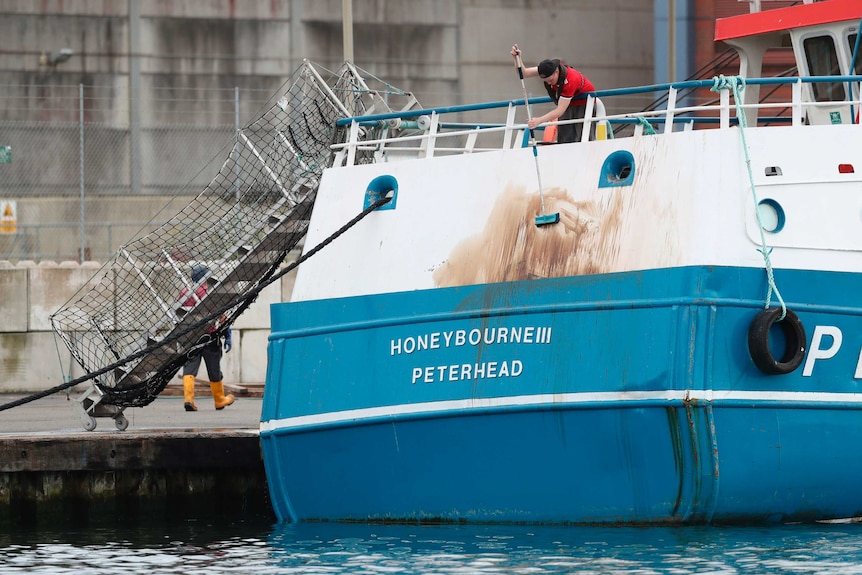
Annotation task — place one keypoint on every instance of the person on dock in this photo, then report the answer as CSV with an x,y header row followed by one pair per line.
x,y
211,353
567,87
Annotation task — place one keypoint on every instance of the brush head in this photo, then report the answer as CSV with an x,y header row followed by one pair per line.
x,y
547,219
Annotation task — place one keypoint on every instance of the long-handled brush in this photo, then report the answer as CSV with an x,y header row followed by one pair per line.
x,y
544,218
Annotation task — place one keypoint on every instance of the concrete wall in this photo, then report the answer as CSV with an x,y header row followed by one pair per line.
x,y
33,359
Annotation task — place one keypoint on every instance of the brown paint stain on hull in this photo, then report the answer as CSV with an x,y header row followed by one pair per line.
x,y
512,247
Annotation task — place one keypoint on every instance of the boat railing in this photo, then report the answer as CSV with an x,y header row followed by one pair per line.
x,y
427,133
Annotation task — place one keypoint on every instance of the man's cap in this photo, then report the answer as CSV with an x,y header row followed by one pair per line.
x,y
199,272
546,68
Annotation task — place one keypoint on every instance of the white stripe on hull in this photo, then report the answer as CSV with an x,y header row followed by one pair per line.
x,y
571,400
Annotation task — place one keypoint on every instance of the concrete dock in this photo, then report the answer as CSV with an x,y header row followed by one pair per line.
x,y
168,464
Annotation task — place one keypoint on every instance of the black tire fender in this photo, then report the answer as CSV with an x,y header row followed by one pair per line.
x,y
794,338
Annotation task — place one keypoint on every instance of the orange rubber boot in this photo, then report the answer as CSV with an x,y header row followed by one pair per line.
x,y
189,393
221,400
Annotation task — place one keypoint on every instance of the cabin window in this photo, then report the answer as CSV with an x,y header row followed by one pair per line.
x,y
822,60
858,66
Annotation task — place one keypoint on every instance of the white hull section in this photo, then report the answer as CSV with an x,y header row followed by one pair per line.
x,y
469,219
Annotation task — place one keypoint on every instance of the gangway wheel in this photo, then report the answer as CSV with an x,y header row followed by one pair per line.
x,y
89,406
121,422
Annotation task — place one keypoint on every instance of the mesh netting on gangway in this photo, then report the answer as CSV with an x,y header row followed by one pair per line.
x,y
170,292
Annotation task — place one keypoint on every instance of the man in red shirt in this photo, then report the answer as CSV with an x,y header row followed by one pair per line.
x,y
211,353
567,87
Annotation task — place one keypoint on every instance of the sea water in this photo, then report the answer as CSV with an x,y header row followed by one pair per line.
x,y
262,547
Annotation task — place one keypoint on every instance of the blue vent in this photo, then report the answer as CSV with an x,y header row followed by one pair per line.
x,y
378,189
618,170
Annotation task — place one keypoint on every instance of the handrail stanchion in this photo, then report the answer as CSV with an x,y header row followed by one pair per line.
x,y
796,102
510,123
724,111
432,136
588,118
352,142
671,108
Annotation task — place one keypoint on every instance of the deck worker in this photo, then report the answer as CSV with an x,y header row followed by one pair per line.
x,y
211,352
567,87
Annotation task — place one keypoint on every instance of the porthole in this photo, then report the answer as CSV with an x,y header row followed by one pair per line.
x,y
771,214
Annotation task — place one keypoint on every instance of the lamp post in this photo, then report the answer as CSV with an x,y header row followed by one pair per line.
x,y
347,29
671,40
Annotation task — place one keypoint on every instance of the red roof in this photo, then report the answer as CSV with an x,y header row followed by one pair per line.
x,y
779,19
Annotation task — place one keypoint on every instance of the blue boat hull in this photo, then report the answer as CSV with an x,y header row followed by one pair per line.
x,y
619,398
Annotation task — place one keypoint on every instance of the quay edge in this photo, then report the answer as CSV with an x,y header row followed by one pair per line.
x,y
47,480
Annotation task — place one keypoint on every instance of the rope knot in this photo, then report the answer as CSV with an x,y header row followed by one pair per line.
x,y
648,128
722,82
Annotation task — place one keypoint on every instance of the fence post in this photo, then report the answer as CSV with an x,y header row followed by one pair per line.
x,y
134,97
81,163
236,131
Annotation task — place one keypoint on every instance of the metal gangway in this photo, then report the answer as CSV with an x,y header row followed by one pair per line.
x,y
133,325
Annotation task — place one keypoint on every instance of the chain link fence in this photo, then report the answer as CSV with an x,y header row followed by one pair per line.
x,y
85,169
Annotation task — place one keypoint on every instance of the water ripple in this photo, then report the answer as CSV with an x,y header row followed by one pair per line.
x,y
331,549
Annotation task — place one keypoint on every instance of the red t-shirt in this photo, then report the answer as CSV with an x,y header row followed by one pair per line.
x,y
575,83
190,301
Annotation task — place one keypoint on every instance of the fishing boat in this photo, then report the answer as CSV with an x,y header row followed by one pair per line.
x,y
658,324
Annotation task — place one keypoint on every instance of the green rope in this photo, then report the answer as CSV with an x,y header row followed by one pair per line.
x,y
648,128
736,84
